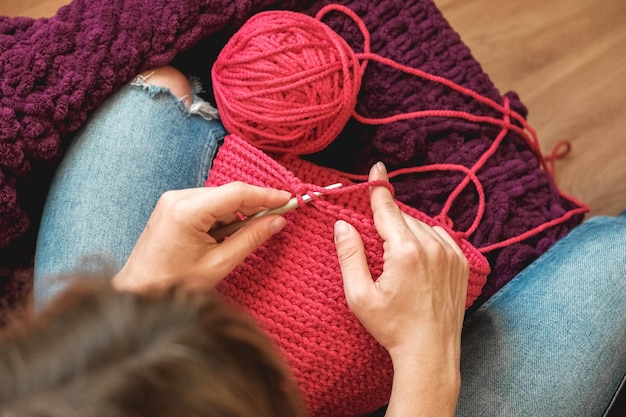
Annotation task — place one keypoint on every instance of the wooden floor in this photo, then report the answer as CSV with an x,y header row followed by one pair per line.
x,y
566,59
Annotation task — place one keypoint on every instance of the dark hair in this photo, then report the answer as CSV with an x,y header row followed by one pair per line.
x,y
98,352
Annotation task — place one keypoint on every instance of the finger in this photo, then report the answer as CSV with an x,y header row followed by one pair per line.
x,y
436,234
249,211
387,216
447,238
242,243
461,259
226,219
427,234
357,279
233,217
461,262
209,203
419,228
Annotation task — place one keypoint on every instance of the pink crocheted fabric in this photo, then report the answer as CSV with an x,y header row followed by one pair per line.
x,y
292,285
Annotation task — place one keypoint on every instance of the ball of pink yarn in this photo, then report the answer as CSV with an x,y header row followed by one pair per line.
x,y
286,82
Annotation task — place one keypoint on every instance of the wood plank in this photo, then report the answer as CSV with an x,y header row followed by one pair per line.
x,y
31,8
567,61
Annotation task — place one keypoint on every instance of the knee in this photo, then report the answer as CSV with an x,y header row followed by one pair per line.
x,y
172,79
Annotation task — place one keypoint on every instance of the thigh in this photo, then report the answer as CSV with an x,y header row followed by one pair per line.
x,y
551,342
141,143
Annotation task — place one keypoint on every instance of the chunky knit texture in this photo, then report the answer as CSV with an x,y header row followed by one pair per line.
x,y
53,72
292,285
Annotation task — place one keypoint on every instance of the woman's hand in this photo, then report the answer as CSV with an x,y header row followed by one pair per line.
x,y
176,245
415,308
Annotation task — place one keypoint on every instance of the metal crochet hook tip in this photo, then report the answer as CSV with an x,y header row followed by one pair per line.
x,y
220,234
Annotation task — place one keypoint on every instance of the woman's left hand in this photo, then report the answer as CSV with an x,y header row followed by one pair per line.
x,y
176,245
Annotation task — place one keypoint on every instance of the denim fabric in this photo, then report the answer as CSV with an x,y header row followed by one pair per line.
x,y
552,342
141,143
549,343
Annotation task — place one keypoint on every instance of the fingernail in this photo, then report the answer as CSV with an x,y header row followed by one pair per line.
x,y
277,224
284,194
342,230
381,167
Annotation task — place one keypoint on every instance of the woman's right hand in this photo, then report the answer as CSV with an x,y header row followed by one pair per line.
x,y
415,308
176,245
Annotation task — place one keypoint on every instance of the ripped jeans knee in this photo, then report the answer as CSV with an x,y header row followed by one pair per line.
x,y
171,83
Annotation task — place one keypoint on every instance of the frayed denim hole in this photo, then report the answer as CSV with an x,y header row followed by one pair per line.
x,y
198,106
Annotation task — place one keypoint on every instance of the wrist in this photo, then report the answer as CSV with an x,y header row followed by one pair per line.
x,y
121,281
131,278
430,370
439,356
424,384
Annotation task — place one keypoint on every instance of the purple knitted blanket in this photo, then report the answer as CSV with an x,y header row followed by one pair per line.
x,y
54,72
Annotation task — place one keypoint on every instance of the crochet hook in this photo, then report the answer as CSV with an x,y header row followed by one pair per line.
x,y
221,233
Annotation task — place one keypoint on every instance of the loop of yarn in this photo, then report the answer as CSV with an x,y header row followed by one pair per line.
x,y
560,150
311,189
286,82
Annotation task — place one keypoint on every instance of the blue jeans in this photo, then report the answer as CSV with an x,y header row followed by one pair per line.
x,y
138,145
550,343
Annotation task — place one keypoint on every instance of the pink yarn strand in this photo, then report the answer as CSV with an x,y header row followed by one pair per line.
x,y
287,83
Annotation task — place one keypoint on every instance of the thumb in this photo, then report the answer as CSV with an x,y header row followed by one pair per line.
x,y
357,279
248,239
